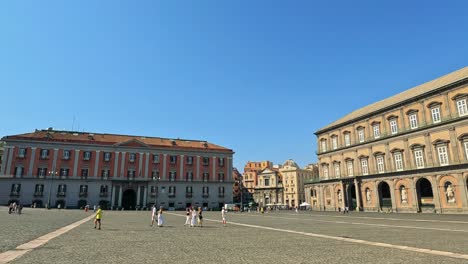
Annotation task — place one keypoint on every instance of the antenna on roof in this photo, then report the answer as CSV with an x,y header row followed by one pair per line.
x,y
73,124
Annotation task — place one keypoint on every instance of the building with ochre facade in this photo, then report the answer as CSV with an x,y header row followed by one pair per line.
x,y
406,153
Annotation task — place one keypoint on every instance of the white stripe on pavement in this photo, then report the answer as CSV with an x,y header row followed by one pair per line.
x,y
20,250
383,218
352,240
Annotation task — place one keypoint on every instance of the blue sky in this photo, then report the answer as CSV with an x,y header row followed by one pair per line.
x,y
259,77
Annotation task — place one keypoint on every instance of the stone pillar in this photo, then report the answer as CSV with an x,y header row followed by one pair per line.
x,y
428,150
75,163
229,169
463,193
116,164
406,156
4,161
10,160
447,105
436,193
454,145
403,121
181,169
140,164
358,195
377,196
164,176
138,196
371,166
389,166
145,195
120,196
414,194
122,165
96,164
198,167
113,197
423,113
214,170
344,196
392,195
147,166
31,161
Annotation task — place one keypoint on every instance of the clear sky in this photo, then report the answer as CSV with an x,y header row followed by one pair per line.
x,y
259,77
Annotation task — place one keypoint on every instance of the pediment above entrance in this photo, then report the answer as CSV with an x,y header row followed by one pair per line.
x,y
132,143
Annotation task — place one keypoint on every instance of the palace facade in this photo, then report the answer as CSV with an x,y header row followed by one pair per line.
x,y
73,169
406,153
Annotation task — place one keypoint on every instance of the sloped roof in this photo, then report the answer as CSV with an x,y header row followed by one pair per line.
x,y
114,139
408,94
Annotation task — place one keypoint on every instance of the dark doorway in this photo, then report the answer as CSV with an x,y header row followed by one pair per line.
x,y
385,196
61,203
129,199
425,195
351,197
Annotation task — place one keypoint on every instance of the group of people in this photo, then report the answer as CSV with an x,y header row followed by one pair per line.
x,y
15,208
157,213
194,217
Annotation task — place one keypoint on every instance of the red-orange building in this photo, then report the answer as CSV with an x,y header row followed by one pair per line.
x,y
77,168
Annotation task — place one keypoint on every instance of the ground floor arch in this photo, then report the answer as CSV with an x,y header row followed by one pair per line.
x,y
385,196
425,196
129,199
351,200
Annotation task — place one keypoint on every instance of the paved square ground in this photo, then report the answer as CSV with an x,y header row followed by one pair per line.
x,y
280,237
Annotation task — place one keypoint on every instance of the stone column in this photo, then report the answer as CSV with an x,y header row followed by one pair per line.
x,y
463,193
358,195
138,196
122,165
436,193
414,195
140,164
96,164
392,195
120,196
229,169
388,159
164,176
428,150
423,113
406,156
147,166
344,196
10,160
403,122
116,164
75,163
447,105
113,197
198,167
31,161
214,170
454,145
181,169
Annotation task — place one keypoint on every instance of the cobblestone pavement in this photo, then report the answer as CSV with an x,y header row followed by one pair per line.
x,y
32,223
126,237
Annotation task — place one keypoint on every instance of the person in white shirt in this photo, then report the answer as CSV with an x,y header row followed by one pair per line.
x,y
194,218
160,217
223,215
188,212
153,214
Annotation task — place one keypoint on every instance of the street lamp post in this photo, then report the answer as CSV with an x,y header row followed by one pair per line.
x,y
52,173
156,180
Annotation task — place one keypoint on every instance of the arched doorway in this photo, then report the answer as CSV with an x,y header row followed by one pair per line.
x,y
351,201
129,199
385,196
425,195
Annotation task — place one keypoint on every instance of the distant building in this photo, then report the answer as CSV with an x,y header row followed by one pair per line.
x,y
74,169
293,181
1,154
269,190
406,153
250,176
237,187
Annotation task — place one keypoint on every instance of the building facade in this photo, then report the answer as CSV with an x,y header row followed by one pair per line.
x,y
250,176
293,182
237,187
269,190
75,169
407,153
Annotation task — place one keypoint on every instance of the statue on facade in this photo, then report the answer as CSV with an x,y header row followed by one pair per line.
x,y
450,193
404,195
368,195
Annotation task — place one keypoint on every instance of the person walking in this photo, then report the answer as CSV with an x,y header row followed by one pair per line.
x,y
153,214
194,217
187,216
98,218
223,215
160,217
200,217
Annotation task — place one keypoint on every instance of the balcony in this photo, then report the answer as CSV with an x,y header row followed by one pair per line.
x,y
83,194
61,194
38,194
188,195
104,194
14,194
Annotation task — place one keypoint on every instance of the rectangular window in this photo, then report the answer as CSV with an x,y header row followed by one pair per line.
x,y
188,189
349,164
337,170
380,164
393,126
325,171
173,159
462,108
44,153
206,190
466,149
22,153
66,155
107,156
267,182
155,175
87,155
62,189
334,142
347,139
398,161
413,119
19,171
364,167
220,177
324,145
361,135
172,176
84,173
83,189
39,189
189,176
131,174
155,158
206,176
221,162
42,172
443,155
419,158
435,114
105,173
172,190
206,161
376,131
15,188
189,160
132,157
64,172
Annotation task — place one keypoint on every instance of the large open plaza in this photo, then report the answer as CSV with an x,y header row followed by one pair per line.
x,y
273,237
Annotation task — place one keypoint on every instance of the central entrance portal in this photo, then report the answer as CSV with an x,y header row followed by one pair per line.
x,y
129,199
